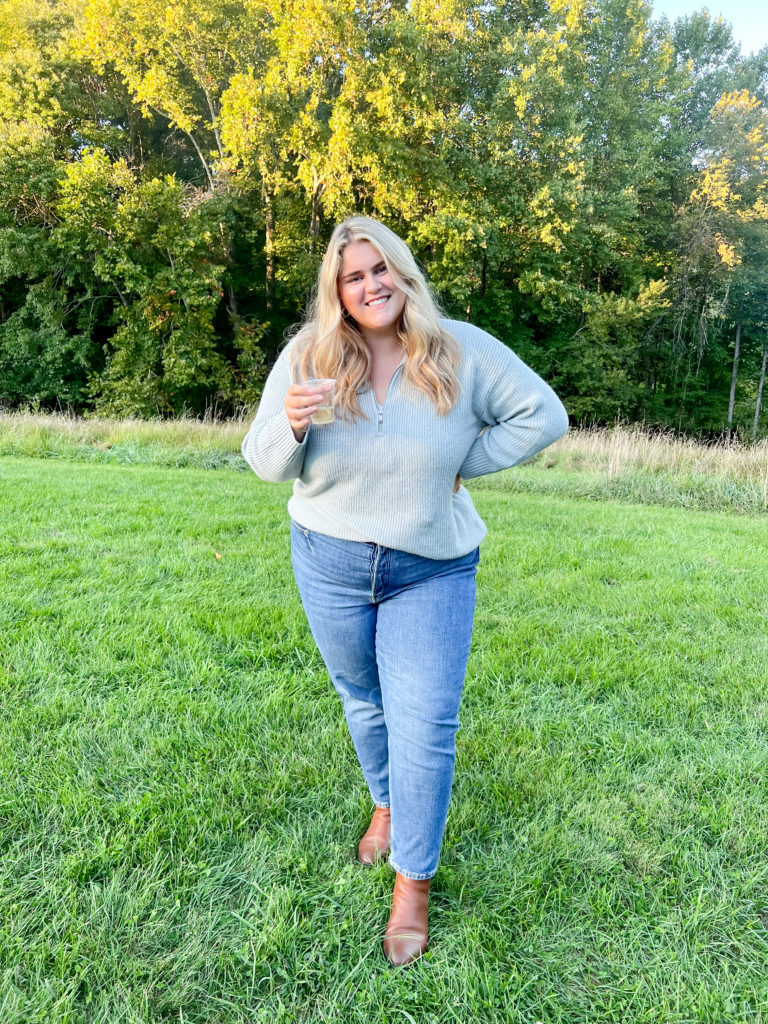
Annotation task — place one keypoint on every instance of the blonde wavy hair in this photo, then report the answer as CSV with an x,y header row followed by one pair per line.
x,y
330,344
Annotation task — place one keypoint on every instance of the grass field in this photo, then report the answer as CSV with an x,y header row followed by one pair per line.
x,y
623,462
181,800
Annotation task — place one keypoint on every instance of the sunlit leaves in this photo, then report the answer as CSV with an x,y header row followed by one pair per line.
x,y
573,175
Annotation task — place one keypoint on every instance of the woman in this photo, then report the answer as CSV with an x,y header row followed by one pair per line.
x,y
384,539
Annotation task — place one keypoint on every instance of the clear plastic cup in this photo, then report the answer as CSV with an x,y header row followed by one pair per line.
x,y
324,412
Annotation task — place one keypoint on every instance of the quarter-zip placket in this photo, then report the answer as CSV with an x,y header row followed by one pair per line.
x,y
380,408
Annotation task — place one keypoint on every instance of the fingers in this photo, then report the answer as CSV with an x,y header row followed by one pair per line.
x,y
300,403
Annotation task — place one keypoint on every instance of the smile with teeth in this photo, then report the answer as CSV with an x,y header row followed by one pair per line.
x,y
378,302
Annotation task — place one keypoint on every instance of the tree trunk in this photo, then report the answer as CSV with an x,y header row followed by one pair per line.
x,y
269,245
123,300
193,140
314,220
232,309
202,159
759,403
732,399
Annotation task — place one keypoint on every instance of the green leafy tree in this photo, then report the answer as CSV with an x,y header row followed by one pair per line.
x,y
45,345
157,249
723,233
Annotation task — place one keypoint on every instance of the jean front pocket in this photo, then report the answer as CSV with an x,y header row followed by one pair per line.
x,y
302,529
301,535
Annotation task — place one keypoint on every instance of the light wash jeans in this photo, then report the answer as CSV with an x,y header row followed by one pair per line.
x,y
394,631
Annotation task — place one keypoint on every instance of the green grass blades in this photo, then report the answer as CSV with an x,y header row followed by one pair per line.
x,y
181,801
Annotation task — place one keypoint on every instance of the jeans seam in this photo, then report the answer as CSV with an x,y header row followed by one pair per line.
x,y
375,559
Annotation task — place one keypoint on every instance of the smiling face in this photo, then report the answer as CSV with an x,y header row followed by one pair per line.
x,y
368,292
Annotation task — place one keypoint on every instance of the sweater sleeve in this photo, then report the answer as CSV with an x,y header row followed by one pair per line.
x,y
269,447
522,413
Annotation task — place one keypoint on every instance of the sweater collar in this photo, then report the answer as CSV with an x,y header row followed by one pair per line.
x,y
367,386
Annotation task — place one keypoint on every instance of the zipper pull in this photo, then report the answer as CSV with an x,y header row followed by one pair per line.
x,y
381,421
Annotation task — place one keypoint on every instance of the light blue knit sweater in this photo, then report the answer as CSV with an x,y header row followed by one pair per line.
x,y
389,479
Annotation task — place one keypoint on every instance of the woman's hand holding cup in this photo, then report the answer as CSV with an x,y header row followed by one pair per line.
x,y
300,402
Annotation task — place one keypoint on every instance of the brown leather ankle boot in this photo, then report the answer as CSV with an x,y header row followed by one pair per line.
x,y
375,842
405,938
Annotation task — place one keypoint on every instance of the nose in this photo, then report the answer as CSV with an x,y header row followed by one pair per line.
x,y
375,287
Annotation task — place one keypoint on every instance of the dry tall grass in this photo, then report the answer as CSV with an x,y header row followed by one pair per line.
x,y
614,453
24,429
612,450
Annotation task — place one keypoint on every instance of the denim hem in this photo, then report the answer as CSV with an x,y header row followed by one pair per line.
x,y
383,806
417,876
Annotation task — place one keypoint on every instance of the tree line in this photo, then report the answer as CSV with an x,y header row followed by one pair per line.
x,y
581,179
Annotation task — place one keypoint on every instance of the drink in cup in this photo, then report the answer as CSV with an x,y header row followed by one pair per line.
x,y
324,412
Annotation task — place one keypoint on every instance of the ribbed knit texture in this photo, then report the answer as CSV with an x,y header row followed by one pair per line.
x,y
389,480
